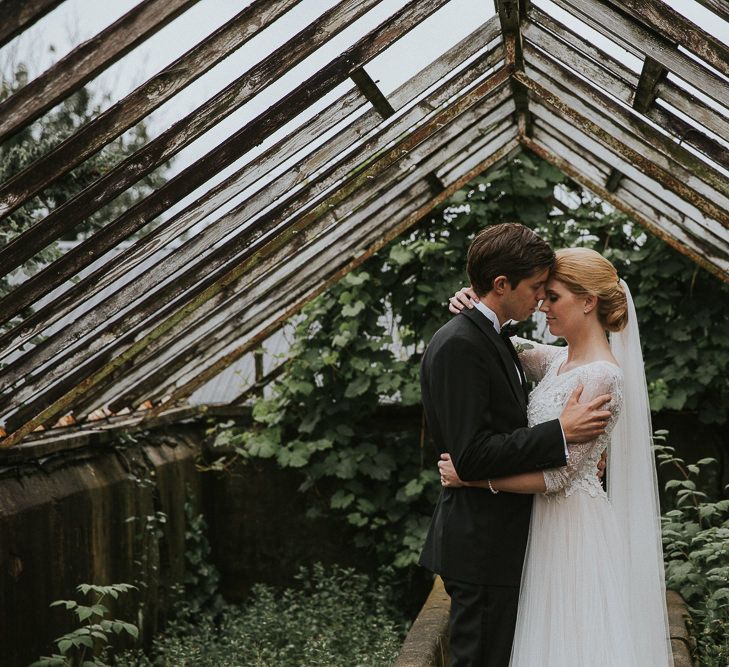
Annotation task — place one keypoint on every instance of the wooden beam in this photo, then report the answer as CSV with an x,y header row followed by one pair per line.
x,y
640,41
190,255
603,158
446,68
85,62
378,199
510,13
105,365
650,76
185,131
615,77
140,102
669,163
254,261
603,71
643,220
719,7
187,389
674,26
19,15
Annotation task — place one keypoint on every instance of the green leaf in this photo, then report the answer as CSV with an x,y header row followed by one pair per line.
x,y
357,387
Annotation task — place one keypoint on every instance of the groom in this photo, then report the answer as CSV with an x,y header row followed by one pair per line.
x,y
475,399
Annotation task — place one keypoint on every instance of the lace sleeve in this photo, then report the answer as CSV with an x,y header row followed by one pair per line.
x,y
534,357
598,378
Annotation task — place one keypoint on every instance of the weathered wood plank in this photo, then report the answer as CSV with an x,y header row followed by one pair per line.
x,y
609,157
620,82
680,98
645,221
672,25
191,252
589,108
443,68
650,76
222,261
641,42
231,149
19,15
388,214
217,328
719,7
140,102
105,364
188,388
85,62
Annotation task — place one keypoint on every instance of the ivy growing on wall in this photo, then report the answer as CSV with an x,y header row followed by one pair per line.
x,y
359,346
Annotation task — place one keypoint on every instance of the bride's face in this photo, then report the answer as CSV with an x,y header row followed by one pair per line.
x,y
564,310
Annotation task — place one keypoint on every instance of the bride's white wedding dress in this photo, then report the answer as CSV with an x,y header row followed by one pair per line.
x,y
575,598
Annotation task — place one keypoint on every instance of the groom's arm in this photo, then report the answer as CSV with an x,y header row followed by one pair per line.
x,y
459,384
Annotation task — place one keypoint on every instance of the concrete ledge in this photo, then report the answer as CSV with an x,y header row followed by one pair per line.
x,y
677,630
427,642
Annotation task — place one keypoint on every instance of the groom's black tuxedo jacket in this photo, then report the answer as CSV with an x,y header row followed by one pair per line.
x,y
475,408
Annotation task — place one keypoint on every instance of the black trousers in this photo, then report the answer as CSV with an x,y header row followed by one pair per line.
x,y
482,623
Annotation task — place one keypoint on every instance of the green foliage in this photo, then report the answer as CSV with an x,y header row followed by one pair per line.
x,y
40,138
696,550
81,647
358,346
335,617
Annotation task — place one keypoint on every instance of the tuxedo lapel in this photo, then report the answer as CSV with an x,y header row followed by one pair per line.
x,y
485,325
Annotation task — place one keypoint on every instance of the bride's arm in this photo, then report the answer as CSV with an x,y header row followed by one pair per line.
x,y
528,482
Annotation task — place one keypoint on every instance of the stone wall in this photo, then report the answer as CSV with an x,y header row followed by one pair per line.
x,y
64,504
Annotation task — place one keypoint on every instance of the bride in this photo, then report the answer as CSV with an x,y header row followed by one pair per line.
x,y
592,590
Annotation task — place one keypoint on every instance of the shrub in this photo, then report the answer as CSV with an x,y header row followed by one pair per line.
x,y
333,617
696,551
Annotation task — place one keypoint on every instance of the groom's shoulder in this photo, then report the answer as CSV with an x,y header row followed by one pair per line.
x,y
458,328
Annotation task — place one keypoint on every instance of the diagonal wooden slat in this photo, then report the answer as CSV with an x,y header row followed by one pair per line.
x,y
641,42
643,218
719,7
124,264
189,387
699,183
19,15
596,161
321,83
197,267
86,61
201,338
140,102
244,263
673,25
603,64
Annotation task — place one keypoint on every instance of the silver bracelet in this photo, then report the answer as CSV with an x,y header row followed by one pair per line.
x,y
493,490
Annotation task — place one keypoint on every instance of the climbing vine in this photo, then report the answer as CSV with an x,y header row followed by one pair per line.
x,y
358,347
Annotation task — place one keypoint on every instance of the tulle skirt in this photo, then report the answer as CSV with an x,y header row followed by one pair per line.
x,y
573,602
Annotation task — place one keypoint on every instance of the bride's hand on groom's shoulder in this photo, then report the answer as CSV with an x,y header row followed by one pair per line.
x,y
462,299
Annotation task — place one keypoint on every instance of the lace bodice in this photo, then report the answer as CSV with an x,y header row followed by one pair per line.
x,y
546,401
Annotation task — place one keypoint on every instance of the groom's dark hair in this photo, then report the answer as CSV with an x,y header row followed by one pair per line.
x,y
509,249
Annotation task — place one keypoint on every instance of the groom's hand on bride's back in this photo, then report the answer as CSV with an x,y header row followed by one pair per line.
x,y
582,422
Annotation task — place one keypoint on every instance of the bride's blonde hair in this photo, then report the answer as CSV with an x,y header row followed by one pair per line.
x,y
586,272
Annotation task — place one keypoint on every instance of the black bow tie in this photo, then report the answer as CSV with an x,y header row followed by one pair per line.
x,y
508,330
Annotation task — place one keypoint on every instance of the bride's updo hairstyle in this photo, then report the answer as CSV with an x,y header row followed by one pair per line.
x,y
586,272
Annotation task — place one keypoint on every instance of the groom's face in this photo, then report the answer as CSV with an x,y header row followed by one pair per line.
x,y
519,303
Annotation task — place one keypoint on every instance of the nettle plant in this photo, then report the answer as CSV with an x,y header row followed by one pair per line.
x,y
85,646
696,551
